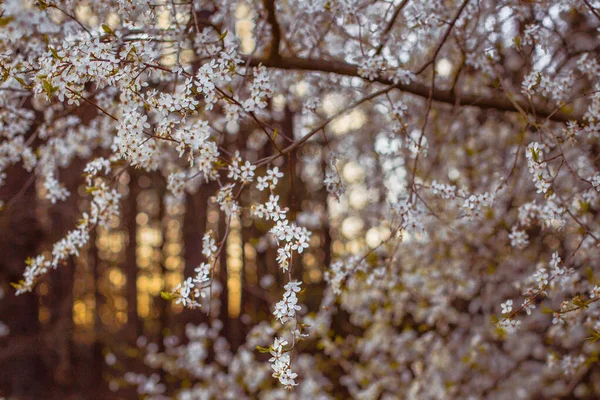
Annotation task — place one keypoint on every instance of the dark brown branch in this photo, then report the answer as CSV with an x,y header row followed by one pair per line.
x,y
592,9
389,26
275,28
444,38
444,96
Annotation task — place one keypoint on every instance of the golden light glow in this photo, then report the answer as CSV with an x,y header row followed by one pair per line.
x,y
244,27
301,88
43,314
358,197
354,246
355,119
42,289
250,270
353,172
332,103
173,263
141,218
314,275
373,237
444,67
234,269
143,300
116,277
337,247
173,251
352,226
149,236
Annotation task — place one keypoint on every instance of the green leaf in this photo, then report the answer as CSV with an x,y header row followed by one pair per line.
x,y
166,295
18,285
579,303
546,310
517,41
584,206
21,81
534,156
48,87
6,20
263,349
107,29
223,35
55,53
595,335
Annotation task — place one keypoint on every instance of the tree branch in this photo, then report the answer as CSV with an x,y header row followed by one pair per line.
x,y
389,26
419,89
275,28
444,38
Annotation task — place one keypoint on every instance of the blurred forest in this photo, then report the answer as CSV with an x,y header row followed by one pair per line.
x,y
103,301
463,140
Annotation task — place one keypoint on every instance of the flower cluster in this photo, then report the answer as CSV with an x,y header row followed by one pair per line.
x,y
332,180
518,238
280,361
371,67
286,308
369,103
443,190
474,205
104,207
241,171
190,292
537,167
270,180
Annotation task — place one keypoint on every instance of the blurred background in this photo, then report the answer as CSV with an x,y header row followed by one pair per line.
x,y
56,341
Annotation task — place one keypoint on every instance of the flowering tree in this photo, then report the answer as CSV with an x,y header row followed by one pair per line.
x,y
440,156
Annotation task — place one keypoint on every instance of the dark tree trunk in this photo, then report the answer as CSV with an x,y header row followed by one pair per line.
x,y
20,237
131,266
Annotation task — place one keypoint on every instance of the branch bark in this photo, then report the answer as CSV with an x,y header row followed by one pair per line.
x,y
419,89
275,28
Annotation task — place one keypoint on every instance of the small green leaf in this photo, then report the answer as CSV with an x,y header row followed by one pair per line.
x,y
166,295
48,87
517,41
534,155
595,336
55,53
263,349
21,81
6,20
546,310
107,29
579,303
